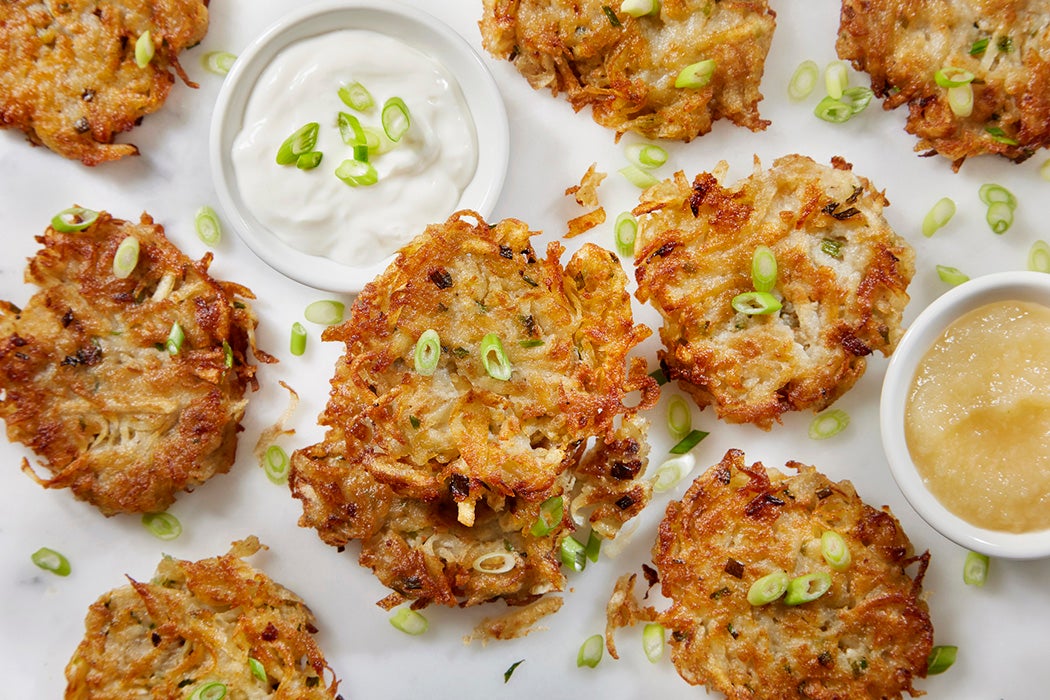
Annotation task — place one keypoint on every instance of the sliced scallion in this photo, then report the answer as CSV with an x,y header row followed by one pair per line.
x,y
362,153
626,227
257,668
950,76
1000,217
218,62
611,16
768,588
688,442
395,118
144,49
941,213
427,352
357,173
593,547
638,177
829,246
350,129
991,193
803,80
835,551
51,560
206,222
494,563
275,464
940,659
163,526
301,141
549,517
573,553
227,354
756,303
73,219
978,47
836,79
356,96
833,110
951,275
808,587
658,376
997,134
309,160
975,570
646,155
695,75
857,99
673,471
828,423
1039,257
510,669
494,357
679,417
639,8
297,342
653,641
126,258
763,269
590,652
326,312
176,337
210,691
377,141
409,621
960,100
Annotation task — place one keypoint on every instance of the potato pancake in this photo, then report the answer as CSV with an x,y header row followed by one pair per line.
x,y
841,283
90,386
460,462
196,624
68,74
1002,44
868,636
626,68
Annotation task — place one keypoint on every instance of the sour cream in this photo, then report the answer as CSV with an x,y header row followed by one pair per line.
x,y
421,178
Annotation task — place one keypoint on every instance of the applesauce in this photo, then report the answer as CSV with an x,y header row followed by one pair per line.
x,y
977,418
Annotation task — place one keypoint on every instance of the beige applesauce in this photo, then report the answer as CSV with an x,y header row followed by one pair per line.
x,y
977,420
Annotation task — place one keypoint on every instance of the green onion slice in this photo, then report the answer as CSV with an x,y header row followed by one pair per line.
x,y
357,173
50,560
297,343
640,8
941,659
73,219
960,100
688,442
350,130
309,160
835,551
830,246
573,553
1039,257
210,691
659,376
356,96
975,570
836,79
326,312
768,588
626,228
672,471
695,75
428,352
857,99
590,652
991,193
593,547
941,213
510,669
763,269
227,354
362,153
209,230
808,587
257,668
126,257
803,80
951,275
1000,216
218,62
756,303
163,526
828,423
409,621
395,118
144,49
495,562
653,641
646,155
833,110
638,177
999,135
377,141
549,517
301,141
275,464
494,357
978,47
176,337
950,76
679,417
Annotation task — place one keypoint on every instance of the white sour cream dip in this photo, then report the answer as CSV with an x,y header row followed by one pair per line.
x,y
421,178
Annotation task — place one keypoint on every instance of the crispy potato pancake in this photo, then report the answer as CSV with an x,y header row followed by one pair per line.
x,y
197,623
442,476
842,280
89,385
625,68
68,76
868,636
1003,43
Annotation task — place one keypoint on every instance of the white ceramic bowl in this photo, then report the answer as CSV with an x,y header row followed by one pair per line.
x,y
417,29
924,331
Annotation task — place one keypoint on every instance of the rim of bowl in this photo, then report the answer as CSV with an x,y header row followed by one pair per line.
x,y
923,332
416,28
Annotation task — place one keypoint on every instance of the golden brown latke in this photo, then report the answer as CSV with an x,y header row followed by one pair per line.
x,y
867,637
89,386
197,623
1004,43
432,473
842,278
68,76
626,70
